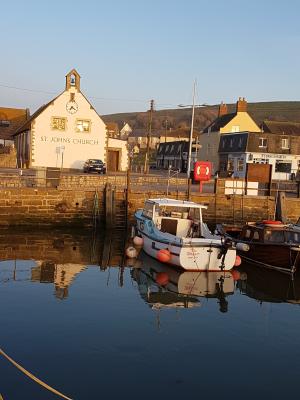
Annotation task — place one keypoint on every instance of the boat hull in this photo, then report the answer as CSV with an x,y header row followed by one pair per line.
x,y
203,257
282,258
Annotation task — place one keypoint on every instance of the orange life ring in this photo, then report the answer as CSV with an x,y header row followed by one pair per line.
x,y
271,222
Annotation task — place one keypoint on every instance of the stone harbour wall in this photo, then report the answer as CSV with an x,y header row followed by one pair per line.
x,y
41,206
81,206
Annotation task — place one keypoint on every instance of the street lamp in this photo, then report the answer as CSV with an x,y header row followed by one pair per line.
x,y
192,128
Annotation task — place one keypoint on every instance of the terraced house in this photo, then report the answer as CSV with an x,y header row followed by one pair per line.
x,y
239,121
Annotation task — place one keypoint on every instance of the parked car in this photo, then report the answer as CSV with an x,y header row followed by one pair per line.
x,y
93,165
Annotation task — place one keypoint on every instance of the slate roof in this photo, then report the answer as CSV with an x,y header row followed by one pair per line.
x,y
282,127
179,133
219,122
10,121
27,125
174,149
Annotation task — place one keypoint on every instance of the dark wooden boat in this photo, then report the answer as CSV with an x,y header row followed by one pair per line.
x,y
272,245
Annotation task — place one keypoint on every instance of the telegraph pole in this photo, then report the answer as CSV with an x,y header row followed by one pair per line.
x,y
166,126
191,134
148,137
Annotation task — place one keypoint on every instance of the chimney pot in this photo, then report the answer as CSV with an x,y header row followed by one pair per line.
x,y
222,109
241,105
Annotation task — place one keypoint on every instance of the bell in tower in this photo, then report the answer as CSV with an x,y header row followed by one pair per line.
x,y
73,80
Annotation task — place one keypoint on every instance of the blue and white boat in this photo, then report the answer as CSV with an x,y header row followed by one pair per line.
x,y
173,231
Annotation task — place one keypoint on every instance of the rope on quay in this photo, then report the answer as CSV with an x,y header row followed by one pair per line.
x,y
31,376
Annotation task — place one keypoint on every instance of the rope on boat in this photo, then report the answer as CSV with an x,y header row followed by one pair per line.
x,y
31,376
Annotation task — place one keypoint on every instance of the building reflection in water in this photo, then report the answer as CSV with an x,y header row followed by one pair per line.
x,y
62,275
46,256
163,287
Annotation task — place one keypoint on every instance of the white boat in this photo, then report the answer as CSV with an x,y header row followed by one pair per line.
x,y
173,231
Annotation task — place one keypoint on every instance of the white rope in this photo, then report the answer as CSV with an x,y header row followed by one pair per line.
x,y
31,376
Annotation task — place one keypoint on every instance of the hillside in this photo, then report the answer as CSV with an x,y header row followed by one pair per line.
x,y
181,117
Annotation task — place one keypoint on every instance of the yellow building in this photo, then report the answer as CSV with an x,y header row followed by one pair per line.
x,y
239,121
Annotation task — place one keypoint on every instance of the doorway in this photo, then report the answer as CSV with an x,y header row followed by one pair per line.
x,y
113,157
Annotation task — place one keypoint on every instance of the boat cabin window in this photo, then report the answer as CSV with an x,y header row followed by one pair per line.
x,y
293,237
255,237
276,236
177,212
247,234
194,213
148,210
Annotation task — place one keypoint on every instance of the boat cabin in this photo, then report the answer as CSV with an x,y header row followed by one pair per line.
x,y
270,232
176,217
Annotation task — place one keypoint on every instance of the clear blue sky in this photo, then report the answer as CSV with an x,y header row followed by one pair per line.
x,y
135,50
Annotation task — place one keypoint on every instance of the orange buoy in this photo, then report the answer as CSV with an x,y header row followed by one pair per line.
x,y
238,261
163,255
162,278
138,241
236,275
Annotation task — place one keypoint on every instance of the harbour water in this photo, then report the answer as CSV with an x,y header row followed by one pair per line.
x,y
140,331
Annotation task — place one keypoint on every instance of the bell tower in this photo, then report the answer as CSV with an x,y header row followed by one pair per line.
x,y
73,80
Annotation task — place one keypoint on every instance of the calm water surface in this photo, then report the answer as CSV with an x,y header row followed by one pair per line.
x,y
105,333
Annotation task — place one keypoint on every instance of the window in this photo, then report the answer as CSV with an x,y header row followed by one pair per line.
x,y
274,236
240,164
240,142
230,165
247,234
263,142
208,148
235,128
281,166
285,143
255,236
83,125
4,123
58,123
148,210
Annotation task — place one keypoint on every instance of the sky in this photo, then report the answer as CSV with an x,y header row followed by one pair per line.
x,y
128,52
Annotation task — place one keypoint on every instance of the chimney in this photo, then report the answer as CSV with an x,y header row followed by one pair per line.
x,y
241,105
222,109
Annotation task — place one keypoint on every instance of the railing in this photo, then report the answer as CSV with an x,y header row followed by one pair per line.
x,y
240,186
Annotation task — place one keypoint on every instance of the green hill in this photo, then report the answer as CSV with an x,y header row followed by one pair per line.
x,y
180,118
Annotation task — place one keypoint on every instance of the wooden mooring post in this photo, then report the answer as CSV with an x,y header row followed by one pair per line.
x,y
109,206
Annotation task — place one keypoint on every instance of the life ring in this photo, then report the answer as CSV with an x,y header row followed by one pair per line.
x,y
271,222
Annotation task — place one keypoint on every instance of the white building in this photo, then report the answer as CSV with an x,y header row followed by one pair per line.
x,y
66,132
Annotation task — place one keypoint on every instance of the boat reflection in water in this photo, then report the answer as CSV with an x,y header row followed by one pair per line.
x,y
165,287
268,286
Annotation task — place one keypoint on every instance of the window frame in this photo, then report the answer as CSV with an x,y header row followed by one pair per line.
x,y
287,140
53,128
262,146
83,120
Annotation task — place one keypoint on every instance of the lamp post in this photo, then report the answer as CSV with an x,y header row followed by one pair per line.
x,y
188,172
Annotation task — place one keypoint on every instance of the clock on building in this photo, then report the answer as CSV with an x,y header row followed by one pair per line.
x,y
72,107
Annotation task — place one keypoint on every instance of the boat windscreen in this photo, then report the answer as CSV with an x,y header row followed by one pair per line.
x,y
178,212
276,236
293,237
148,210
